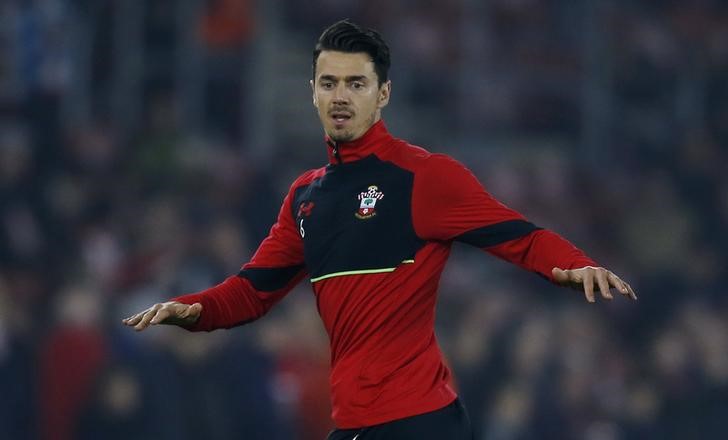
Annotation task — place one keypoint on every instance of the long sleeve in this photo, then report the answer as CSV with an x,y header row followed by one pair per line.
x,y
449,203
276,267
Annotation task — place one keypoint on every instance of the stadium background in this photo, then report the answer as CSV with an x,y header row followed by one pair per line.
x,y
145,148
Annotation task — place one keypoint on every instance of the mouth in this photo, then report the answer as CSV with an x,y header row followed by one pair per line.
x,y
340,118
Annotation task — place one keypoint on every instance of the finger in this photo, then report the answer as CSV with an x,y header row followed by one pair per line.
x,y
140,323
183,311
623,287
144,322
601,276
631,292
617,282
568,278
134,319
191,311
588,283
162,314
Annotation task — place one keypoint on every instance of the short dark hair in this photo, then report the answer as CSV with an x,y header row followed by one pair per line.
x,y
345,36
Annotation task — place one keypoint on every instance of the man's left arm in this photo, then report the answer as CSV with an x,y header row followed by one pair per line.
x,y
449,203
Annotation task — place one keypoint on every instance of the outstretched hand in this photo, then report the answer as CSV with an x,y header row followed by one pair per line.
x,y
172,313
585,279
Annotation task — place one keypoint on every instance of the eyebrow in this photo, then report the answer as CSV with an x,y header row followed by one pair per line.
x,y
347,79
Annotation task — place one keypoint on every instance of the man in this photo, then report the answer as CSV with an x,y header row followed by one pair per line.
x,y
373,230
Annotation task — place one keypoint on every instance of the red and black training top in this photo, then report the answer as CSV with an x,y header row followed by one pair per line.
x,y
373,230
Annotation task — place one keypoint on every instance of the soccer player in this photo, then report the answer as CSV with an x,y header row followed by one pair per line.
x,y
372,230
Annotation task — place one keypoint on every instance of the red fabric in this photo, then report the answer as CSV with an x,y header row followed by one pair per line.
x,y
308,373
69,364
386,363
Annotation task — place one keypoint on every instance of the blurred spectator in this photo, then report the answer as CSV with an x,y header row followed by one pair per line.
x,y
70,360
116,410
17,369
228,23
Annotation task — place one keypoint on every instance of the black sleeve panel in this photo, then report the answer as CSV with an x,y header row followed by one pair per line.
x,y
270,279
497,233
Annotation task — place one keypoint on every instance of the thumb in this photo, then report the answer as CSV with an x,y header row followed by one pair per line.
x,y
191,311
559,275
194,310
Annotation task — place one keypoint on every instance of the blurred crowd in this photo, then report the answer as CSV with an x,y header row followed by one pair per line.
x,y
604,121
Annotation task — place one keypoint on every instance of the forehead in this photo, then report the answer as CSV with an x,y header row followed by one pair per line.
x,y
343,64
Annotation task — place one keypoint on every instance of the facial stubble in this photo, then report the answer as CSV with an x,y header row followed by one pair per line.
x,y
348,136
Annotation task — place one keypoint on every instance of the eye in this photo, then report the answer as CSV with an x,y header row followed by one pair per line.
x,y
327,85
357,85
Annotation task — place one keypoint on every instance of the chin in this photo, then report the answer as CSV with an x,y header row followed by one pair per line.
x,y
345,136
342,138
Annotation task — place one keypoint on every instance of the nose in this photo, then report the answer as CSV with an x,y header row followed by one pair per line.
x,y
341,95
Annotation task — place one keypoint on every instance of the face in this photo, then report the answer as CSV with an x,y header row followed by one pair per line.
x,y
347,95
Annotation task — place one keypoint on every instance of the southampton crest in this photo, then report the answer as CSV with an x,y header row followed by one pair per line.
x,y
368,202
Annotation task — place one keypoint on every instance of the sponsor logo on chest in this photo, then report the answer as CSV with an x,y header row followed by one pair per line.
x,y
368,202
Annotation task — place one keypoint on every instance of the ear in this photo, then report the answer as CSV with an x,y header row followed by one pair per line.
x,y
313,91
384,91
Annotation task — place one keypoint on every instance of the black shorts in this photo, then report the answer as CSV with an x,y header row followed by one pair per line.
x,y
448,423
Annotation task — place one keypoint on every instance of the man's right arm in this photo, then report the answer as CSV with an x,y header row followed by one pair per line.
x,y
276,267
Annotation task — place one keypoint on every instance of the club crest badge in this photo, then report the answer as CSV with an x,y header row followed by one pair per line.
x,y
368,202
